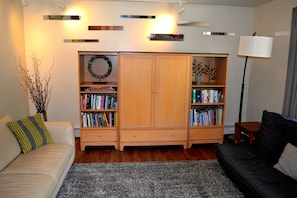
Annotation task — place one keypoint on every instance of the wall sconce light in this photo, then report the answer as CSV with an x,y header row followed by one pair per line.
x,y
181,8
62,5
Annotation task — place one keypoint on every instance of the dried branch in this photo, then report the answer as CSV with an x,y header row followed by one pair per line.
x,y
37,89
199,69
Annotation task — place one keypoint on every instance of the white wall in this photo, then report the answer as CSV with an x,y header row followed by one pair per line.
x,y
45,39
268,76
13,100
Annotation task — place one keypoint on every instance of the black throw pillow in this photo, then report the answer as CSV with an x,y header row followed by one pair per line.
x,y
290,128
270,141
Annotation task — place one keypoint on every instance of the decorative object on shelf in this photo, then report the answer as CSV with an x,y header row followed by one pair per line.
x,y
38,90
61,17
198,79
105,27
199,69
100,77
253,46
166,37
137,17
81,40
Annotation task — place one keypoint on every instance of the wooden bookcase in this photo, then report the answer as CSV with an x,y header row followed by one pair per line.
x,y
98,100
207,101
152,99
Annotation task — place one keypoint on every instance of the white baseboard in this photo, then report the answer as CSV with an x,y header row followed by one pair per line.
x,y
77,132
229,129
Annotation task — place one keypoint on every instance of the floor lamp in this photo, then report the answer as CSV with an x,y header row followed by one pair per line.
x,y
252,46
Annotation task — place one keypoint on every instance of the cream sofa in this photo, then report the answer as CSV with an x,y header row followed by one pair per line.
x,y
41,172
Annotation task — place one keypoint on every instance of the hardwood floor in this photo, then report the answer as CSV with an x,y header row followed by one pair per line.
x,y
142,154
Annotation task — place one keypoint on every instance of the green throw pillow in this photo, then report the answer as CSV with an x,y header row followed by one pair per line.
x,y
30,132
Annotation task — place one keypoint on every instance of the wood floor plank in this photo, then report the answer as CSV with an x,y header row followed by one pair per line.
x,y
142,154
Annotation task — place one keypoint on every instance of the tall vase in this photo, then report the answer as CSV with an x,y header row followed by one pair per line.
x,y
44,115
198,79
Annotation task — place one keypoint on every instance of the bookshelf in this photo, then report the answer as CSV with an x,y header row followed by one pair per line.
x,y
150,99
207,101
98,99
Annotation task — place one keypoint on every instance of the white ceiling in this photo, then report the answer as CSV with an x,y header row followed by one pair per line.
x,y
241,3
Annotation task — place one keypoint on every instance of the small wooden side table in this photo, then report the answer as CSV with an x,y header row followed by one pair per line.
x,y
246,127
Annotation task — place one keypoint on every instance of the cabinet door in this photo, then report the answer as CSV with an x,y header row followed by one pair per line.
x,y
172,90
136,99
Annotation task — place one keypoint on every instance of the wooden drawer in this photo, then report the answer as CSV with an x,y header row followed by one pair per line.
x,y
153,135
98,135
206,133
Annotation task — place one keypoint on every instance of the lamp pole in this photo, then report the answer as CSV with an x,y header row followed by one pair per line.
x,y
242,90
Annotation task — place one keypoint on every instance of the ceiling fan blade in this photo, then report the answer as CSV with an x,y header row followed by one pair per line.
x,y
193,23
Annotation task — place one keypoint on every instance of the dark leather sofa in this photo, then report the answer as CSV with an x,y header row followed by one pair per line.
x,y
251,167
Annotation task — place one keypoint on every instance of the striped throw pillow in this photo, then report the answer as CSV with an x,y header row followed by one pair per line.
x,y
30,132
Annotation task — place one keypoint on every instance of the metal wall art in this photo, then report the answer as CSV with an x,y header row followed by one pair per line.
x,y
166,37
218,33
91,70
61,17
137,17
81,40
100,27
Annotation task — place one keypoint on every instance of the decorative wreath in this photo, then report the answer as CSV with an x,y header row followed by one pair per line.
x,y
91,61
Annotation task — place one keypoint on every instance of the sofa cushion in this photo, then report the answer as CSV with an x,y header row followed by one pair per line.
x,y
9,146
270,140
30,132
27,185
251,174
50,159
287,163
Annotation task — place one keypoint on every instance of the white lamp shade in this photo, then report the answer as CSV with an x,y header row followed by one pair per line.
x,y
256,46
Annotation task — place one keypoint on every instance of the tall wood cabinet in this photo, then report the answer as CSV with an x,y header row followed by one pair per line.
x,y
153,98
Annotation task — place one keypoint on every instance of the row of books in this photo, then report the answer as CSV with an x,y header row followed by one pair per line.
x,y
99,89
206,116
98,102
106,119
207,96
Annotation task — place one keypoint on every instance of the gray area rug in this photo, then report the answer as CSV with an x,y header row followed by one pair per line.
x,y
203,178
